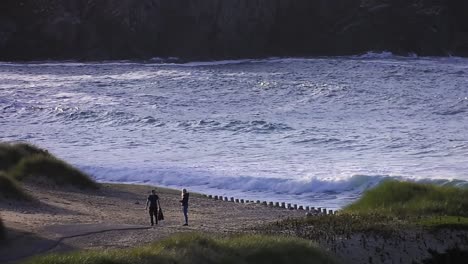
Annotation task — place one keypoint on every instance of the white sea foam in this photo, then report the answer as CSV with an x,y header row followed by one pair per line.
x,y
318,130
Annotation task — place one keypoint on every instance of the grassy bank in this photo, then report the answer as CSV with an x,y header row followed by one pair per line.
x,y
49,169
10,190
391,207
196,248
406,199
12,154
25,162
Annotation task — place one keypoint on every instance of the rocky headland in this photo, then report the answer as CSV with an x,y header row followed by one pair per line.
x,y
228,29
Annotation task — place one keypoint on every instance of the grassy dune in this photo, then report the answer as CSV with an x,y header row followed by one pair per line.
x,y
196,248
391,206
9,189
25,162
40,168
11,154
406,199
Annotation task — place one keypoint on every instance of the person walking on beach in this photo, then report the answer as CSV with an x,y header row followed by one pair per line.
x,y
185,196
153,202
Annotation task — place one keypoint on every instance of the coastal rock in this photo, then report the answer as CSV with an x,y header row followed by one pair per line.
x,y
219,29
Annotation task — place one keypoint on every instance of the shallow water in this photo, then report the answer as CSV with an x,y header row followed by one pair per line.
x,y
308,131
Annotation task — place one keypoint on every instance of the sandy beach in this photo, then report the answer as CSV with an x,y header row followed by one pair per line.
x,y
114,217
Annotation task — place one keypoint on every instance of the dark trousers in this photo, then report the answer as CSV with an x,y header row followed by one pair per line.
x,y
153,211
185,210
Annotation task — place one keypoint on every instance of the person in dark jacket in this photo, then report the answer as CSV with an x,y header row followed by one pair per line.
x,y
153,203
185,197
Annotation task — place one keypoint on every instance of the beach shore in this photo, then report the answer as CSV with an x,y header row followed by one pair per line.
x,y
114,217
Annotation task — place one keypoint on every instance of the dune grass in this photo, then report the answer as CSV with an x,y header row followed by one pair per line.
x,y
11,154
196,248
10,190
409,199
39,169
26,162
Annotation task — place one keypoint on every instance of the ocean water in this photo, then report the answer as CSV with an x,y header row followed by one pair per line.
x,y
314,132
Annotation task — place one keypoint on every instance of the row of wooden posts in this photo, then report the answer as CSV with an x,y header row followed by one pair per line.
x,y
309,209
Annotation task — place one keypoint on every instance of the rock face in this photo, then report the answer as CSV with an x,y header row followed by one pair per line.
x,y
220,29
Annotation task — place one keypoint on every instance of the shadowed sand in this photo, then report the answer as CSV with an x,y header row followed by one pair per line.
x,y
114,217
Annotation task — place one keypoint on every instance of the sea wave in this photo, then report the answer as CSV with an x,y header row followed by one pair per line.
x,y
254,126
307,187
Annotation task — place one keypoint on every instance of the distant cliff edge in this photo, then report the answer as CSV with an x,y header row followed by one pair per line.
x,y
228,29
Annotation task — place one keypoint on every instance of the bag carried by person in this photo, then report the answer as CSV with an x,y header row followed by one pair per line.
x,y
160,214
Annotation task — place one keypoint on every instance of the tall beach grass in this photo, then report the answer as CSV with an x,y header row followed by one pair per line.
x,y
40,168
397,198
196,248
26,162
11,154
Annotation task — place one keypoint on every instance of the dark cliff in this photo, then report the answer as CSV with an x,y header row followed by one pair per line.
x,y
215,29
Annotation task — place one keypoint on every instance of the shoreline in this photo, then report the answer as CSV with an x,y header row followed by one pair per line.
x,y
63,219
56,210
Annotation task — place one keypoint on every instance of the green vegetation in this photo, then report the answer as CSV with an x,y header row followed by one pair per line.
x,y
195,248
39,168
11,154
9,189
408,199
25,162
453,222
391,206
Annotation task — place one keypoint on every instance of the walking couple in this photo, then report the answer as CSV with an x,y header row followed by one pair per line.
x,y
155,208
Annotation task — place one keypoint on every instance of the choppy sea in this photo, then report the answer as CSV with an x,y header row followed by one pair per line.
x,y
312,131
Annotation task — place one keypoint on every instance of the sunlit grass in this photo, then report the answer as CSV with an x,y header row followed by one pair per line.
x,y
11,154
409,199
40,168
196,248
